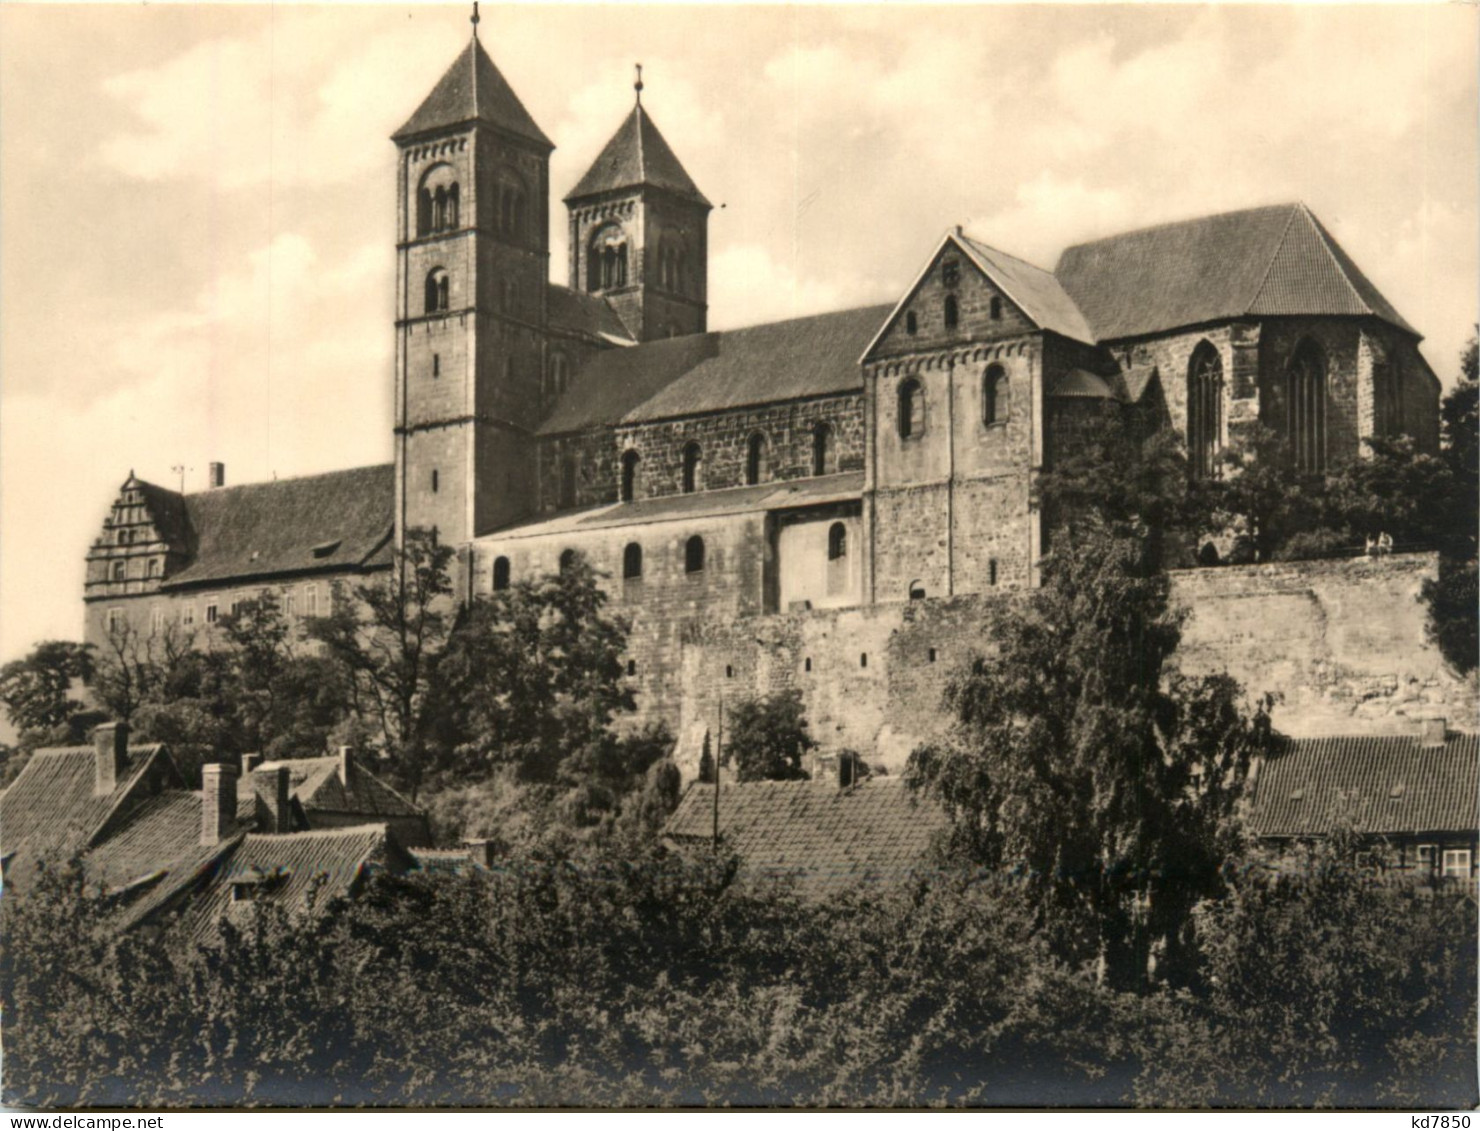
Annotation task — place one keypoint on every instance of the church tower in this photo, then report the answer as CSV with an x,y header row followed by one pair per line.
x,y
639,233
472,268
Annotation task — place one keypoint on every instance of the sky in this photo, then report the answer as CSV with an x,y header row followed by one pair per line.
x,y
197,201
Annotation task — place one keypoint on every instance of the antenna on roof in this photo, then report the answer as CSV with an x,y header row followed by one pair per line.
x,y
637,86
179,469
474,20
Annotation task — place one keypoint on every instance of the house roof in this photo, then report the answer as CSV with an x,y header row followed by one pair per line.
x,y
1261,261
1383,784
163,831
825,839
779,361
318,786
473,90
311,523
589,315
636,156
1035,291
814,491
1080,383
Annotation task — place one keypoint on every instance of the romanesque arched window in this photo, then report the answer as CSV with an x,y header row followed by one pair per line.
x,y
500,573
453,214
437,199
755,458
837,542
439,208
1204,410
996,395
952,312
630,460
153,569
1305,406
423,211
692,467
438,290
606,261
911,408
821,447
693,555
632,561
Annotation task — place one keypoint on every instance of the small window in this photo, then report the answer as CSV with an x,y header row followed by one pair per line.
x,y
438,291
807,664
436,365
693,555
213,611
916,591
952,312
567,560
153,567
837,542
950,272
630,460
991,571
692,464
996,308
559,374
911,409
156,619
1457,863
755,459
863,660
1427,857
500,573
996,395
729,671
187,613
821,448
631,667
436,480
120,570
568,482
911,323
632,561
932,655
290,603
116,621
311,601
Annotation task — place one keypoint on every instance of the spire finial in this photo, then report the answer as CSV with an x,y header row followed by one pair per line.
x,y
637,86
475,19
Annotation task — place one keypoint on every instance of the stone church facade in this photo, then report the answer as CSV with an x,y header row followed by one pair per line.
x,y
854,459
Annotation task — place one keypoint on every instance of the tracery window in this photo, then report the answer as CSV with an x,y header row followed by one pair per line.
x,y
1204,410
1305,406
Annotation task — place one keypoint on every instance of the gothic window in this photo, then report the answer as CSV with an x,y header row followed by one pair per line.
x,y
693,555
607,259
629,475
568,482
996,308
821,447
911,409
837,542
1387,398
911,323
500,573
952,313
632,561
996,395
692,461
1305,406
437,290
119,571
755,459
1204,410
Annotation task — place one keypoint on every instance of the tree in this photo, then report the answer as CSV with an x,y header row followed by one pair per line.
x,y
1261,492
1452,597
387,636
1081,757
37,689
767,737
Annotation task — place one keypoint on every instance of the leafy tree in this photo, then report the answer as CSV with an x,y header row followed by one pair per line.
x,y
387,636
1261,494
767,737
37,690
1452,597
1082,758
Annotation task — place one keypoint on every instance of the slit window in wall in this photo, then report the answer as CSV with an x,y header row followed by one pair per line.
x,y
755,459
807,664
996,395
911,409
631,667
436,365
436,480
996,308
692,467
863,660
821,448
952,312
500,574
932,655
991,571
630,460
632,561
911,323
693,555
729,671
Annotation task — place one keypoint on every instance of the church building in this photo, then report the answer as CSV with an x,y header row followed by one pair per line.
x,y
848,459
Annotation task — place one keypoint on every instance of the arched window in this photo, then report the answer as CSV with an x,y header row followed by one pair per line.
x,y
911,408
423,212
509,198
606,260
996,308
568,481
1387,397
821,447
120,571
693,555
911,323
1204,410
453,216
439,209
692,460
632,561
1305,406
755,458
437,290
996,395
567,560
500,573
630,460
837,542
436,200
559,374
953,312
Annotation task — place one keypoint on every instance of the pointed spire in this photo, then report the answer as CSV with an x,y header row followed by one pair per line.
x,y
637,156
637,86
473,90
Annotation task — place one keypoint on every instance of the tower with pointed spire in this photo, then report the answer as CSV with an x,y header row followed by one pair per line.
x,y
639,232
472,266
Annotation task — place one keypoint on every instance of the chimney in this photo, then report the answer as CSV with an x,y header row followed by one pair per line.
x,y
274,809
251,761
110,757
1432,732
847,769
217,475
346,768
481,850
218,802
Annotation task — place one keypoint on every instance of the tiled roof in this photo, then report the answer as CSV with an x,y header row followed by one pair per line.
x,y
1035,291
636,156
1261,261
50,809
589,315
1389,785
473,90
826,839
163,831
779,361
315,522
318,787
790,493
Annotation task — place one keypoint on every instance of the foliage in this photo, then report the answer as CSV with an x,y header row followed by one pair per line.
x,y
37,689
1260,493
1453,597
767,737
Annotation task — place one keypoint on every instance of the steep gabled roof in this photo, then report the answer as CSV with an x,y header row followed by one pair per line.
x,y
163,831
473,90
311,523
1262,261
1384,784
779,361
637,157
826,839
319,786
589,315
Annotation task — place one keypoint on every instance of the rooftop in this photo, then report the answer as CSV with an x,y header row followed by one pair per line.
x,y
472,90
637,157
